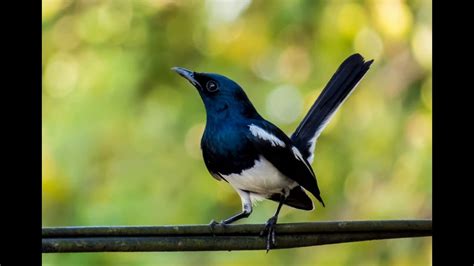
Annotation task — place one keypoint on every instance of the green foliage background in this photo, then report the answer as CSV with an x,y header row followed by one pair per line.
x,y
121,131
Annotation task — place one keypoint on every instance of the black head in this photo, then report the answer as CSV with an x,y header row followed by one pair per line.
x,y
220,94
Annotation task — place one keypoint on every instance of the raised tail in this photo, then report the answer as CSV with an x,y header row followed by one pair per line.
x,y
342,83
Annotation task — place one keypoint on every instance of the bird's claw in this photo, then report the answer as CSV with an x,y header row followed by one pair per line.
x,y
213,224
269,230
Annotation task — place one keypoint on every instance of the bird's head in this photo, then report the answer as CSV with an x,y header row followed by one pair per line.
x,y
221,95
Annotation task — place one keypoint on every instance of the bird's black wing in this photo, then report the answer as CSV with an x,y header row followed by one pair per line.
x,y
277,148
333,95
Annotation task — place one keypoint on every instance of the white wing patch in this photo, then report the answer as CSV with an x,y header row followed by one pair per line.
x,y
299,157
262,134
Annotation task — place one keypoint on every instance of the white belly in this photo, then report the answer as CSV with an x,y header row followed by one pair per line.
x,y
263,179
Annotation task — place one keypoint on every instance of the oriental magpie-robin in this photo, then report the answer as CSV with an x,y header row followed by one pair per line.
x,y
257,158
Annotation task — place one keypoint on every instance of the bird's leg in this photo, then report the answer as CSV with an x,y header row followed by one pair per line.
x,y
270,225
246,211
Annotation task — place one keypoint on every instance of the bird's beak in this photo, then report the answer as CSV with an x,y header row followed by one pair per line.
x,y
187,74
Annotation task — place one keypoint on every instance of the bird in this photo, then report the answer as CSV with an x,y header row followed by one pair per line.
x,y
256,157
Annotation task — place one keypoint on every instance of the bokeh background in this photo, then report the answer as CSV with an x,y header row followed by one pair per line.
x,y
121,131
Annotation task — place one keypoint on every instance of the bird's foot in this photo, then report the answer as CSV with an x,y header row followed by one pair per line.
x,y
269,230
213,224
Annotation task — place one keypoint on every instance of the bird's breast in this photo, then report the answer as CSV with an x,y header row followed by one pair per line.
x,y
227,151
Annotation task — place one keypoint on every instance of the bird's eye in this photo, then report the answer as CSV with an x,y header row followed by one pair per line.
x,y
211,86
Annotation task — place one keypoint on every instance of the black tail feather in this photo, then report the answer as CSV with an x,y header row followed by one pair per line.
x,y
297,199
333,95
